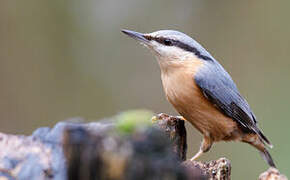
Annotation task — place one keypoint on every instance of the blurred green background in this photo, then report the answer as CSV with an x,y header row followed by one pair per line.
x,y
62,59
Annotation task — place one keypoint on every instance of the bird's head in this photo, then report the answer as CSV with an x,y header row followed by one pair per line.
x,y
170,45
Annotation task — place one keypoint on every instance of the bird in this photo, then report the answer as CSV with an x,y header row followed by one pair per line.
x,y
203,92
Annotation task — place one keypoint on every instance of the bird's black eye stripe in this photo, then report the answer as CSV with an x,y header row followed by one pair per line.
x,y
167,42
172,42
161,40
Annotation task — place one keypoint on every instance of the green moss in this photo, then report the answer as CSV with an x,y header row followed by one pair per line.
x,y
130,121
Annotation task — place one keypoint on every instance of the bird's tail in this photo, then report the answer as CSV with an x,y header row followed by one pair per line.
x,y
267,157
259,141
265,153
263,138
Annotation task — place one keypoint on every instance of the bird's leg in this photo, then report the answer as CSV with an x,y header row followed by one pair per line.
x,y
204,147
197,155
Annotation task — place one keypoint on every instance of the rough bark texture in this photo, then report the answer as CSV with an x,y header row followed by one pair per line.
x,y
215,170
101,151
145,155
175,130
272,174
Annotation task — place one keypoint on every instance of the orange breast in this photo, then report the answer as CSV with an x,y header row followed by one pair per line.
x,y
187,98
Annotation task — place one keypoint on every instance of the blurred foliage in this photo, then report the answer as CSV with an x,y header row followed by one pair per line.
x,y
60,59
129,121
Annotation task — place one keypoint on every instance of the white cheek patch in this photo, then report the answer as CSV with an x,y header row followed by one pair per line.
x,y
173,53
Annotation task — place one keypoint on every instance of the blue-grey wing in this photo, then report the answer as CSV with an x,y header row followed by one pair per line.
x,y
218,87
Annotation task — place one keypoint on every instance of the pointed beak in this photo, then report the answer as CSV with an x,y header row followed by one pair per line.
x,y
136,35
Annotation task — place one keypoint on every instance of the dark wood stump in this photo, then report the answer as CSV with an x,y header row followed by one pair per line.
x,y
101,150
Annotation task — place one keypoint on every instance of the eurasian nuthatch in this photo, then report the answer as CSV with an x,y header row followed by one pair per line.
x,y
202,91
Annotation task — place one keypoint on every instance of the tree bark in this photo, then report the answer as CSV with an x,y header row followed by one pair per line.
x,y
100,150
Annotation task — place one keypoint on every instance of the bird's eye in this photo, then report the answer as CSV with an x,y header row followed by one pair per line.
x,y
167,42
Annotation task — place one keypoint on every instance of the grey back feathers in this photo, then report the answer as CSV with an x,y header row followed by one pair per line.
x,y
219,88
